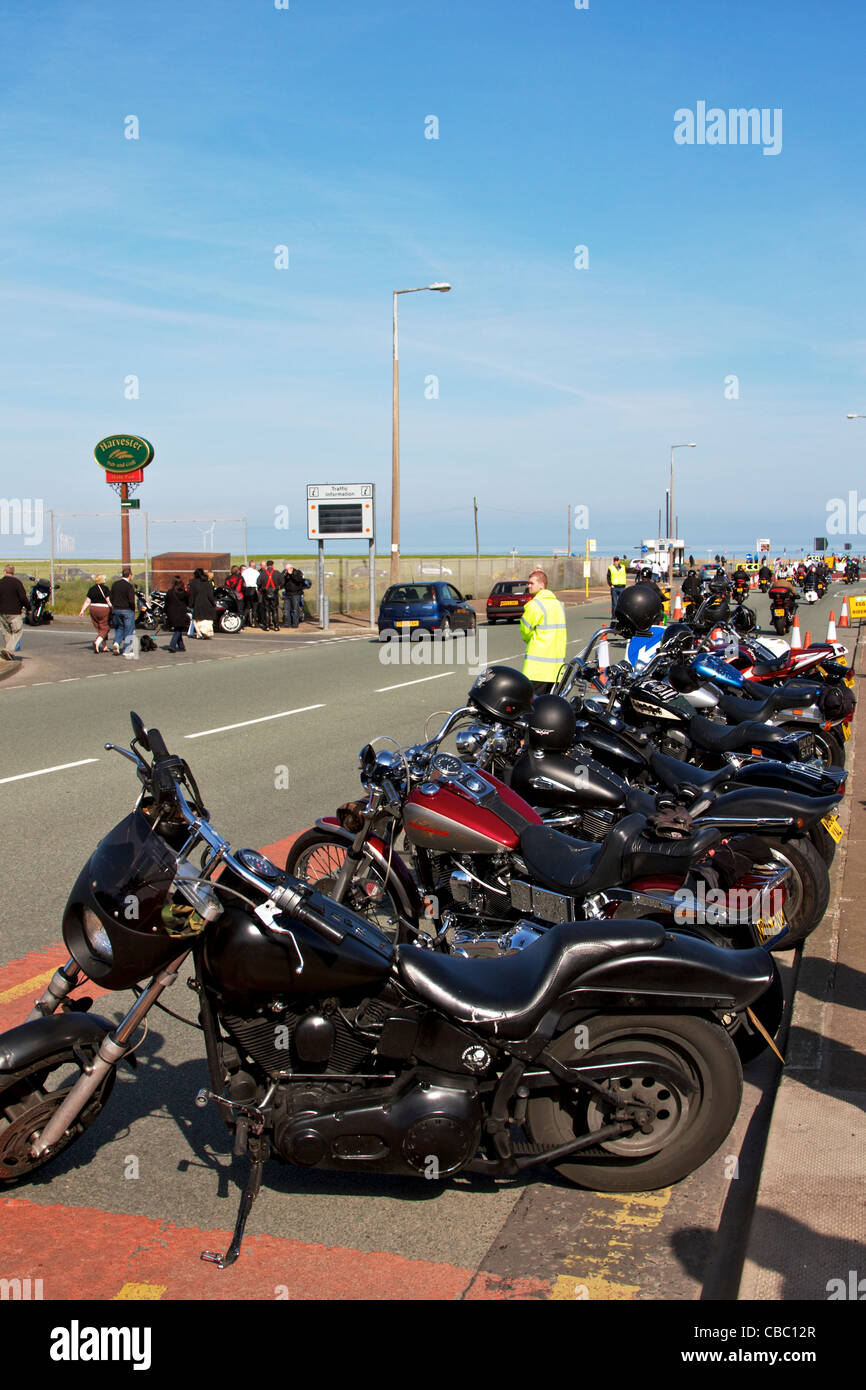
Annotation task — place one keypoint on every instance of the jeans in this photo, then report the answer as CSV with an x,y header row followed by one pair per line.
x,y
616,591
176,643
123,622
291,609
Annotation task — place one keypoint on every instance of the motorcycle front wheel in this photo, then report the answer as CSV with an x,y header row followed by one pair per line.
x,y
29,1098
317,859
689,1121
231,622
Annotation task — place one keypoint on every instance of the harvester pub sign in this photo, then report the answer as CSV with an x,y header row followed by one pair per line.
x,y
123,453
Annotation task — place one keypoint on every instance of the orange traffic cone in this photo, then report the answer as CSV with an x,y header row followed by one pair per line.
x,y
831,628
808,641
844,619
603,660
678,608
796,640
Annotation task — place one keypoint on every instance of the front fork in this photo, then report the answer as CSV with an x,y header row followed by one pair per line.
x,y
112,1049
356,853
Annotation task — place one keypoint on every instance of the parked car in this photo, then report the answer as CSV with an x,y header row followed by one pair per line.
x,y
507,601
414,608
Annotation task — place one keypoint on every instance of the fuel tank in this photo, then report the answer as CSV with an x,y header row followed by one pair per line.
x,y
555,779
610,747
245,965
442,816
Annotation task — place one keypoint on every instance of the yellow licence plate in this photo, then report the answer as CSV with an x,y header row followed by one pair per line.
x,y
846,730
509,603
832,826
778,612
849,681
407,622
768,927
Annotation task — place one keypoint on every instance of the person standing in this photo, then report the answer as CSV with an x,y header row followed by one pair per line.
x,y
177,614
269,588
122,596
250,579
12,600
204,611
617,579
98,602
293,588
542,628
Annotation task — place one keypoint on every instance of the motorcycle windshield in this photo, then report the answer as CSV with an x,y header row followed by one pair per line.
x,y
131,873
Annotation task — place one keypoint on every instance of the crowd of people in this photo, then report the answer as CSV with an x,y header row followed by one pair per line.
x,y
260,591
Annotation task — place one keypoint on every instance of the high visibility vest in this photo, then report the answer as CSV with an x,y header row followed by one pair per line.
x,y
617,574
542,628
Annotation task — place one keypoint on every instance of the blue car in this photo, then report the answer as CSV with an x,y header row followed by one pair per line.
x,y
412,609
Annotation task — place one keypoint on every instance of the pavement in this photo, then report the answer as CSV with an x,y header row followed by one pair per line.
x,y
807,1237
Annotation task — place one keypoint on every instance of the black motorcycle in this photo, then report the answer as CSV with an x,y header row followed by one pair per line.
x,y
329,1047
150,612
230,612
39,613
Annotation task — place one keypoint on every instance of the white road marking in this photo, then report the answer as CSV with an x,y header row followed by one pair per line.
x,y
42,771
383,688
224,728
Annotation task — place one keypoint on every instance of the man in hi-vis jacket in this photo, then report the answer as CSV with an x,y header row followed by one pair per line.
x,y
542,628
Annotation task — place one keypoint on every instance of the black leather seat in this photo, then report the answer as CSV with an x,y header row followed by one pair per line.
x,y
673,773
772,668
732,738
734,707
566,866
509,997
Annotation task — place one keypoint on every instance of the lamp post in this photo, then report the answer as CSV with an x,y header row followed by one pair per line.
x,y
671,514
395,437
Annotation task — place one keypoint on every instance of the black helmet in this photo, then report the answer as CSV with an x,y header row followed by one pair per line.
x,y
646,574
551,724
502,693
639,606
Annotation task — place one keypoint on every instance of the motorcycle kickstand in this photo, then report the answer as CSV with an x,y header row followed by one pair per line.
x,y
249,1195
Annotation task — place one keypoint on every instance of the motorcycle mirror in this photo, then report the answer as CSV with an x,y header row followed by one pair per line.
x,y
139,731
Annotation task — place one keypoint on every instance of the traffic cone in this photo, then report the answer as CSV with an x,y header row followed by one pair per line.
x,y
678,608
831,628
844,619
808,641
603,660
796,640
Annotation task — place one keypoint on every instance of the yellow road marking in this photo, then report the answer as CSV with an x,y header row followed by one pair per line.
x,y
141,1292
593,1287
26,986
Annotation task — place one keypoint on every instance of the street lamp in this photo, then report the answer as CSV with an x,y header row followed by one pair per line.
x,y
672,514
395,437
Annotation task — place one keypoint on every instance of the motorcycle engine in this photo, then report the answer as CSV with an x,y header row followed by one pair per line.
x,y
422,1126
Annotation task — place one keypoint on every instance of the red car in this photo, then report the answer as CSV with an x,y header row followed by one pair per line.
x,y
507,601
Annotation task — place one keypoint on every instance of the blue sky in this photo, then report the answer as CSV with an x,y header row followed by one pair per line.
x,y
305,127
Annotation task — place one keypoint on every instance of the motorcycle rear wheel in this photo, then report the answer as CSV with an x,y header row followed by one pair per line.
x,y
779,625
28,1099
688,1127
317,858
809,895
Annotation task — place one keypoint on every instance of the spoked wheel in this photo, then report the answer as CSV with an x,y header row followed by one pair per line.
x,y
683,1121
317,860
29,1098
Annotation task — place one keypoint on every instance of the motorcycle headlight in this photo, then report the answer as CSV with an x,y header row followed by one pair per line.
x,y
96,936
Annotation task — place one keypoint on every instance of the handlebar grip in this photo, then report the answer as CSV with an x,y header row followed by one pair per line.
x,y
157,743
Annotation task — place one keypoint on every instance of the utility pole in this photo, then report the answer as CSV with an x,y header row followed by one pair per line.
x,y
569,529
475,507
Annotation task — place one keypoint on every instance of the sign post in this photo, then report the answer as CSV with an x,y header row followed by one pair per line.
x,y
346,511
124,458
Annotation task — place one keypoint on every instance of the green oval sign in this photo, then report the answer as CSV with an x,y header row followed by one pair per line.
x,y
123,453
